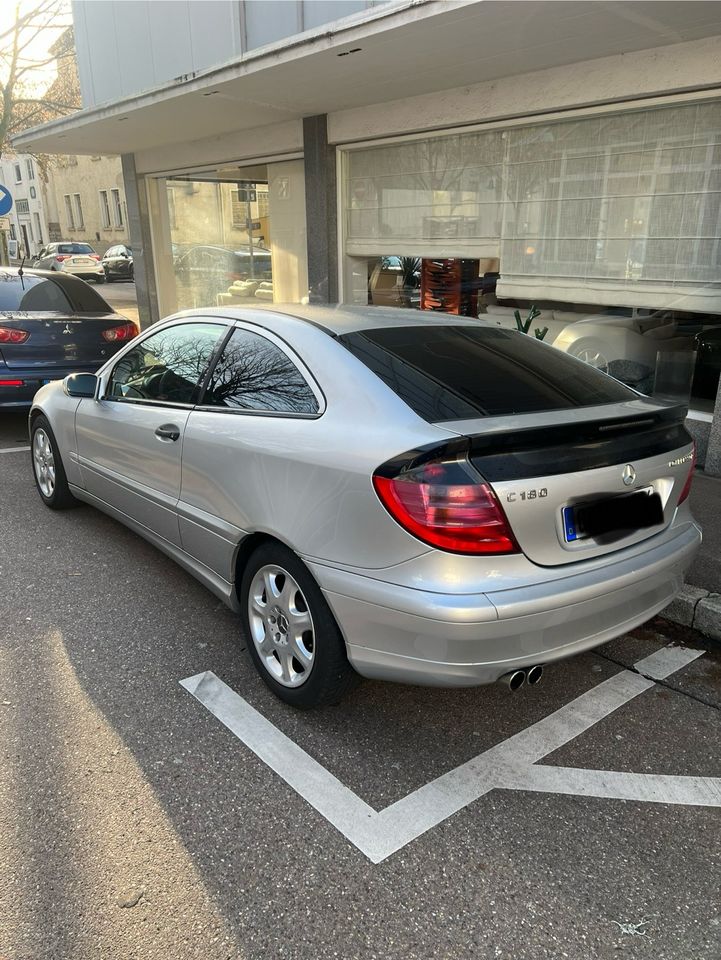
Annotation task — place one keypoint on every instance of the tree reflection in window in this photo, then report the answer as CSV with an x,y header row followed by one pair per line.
x,y
168,366
254,374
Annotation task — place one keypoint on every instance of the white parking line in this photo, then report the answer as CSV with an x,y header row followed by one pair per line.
x,y
14,449
511,765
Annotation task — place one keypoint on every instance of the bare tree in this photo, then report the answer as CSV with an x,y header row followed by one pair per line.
x,y
39,37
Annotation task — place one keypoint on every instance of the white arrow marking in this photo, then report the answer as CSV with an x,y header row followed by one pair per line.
x,y
510,765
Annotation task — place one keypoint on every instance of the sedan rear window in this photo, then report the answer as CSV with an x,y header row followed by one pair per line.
x,y
75,248
57,292
462,372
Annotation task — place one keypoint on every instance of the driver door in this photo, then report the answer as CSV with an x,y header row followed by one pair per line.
x,y
130,440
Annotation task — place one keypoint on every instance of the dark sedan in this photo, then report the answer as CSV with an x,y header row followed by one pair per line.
x,y
118,262
52,324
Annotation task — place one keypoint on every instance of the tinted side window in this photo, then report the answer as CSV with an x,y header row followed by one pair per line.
x,y
253,374
457,372
167,366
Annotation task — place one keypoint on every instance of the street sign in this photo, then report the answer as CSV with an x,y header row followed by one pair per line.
x,y
6,201
247,194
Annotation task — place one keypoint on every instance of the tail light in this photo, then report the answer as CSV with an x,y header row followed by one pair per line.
x,y
62,256
13,335
125,331
94,256
689,479
446,504
11,383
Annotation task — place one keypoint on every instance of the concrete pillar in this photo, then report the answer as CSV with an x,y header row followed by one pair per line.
x,y
713,453
140,240
320,210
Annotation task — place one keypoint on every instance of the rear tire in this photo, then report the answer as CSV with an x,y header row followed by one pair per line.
x,y
48,470
292,636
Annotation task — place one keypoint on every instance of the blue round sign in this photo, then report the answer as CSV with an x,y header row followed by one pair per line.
x,y
6,201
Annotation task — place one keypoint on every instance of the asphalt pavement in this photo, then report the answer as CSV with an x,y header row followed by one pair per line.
x,y
135,824
120,294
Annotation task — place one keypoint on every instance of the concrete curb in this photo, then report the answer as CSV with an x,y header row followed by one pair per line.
x,y
696,608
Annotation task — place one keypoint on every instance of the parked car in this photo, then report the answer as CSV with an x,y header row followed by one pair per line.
x,y
118,263
71,257
625,346
410,497
52,324
205,259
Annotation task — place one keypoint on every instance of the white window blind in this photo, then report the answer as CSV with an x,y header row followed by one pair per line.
x,y
617,209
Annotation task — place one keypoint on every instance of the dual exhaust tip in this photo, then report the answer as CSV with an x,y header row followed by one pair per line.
x,y
516,678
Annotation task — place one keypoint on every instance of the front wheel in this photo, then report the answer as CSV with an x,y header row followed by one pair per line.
x,y
292,636
48,470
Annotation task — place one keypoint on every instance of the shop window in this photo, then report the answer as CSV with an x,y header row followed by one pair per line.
x,y
236,236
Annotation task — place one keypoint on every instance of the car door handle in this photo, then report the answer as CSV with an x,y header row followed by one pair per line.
x,y
168,431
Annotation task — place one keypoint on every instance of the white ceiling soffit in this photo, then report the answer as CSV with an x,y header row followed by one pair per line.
x,y
407,50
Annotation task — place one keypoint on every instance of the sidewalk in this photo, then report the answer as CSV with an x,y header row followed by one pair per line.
x,y
699,603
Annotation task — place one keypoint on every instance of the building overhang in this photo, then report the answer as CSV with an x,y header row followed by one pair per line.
x,y
388,53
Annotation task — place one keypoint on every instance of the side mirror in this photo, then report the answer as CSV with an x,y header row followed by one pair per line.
x,y
80,385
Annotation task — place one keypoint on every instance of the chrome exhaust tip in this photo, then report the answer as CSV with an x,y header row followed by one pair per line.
x,y
534,674
513,680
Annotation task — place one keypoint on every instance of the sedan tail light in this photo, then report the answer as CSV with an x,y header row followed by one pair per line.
x,y
689,479
94,256
11,383
446,504
13,335
62,256
124,332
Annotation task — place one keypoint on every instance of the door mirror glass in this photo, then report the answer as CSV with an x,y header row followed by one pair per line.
x,y
80,385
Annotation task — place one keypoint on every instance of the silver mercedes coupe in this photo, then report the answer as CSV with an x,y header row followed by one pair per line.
x,y
406,496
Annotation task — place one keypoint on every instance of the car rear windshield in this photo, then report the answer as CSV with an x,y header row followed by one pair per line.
x,y
448,372
62,293
75,248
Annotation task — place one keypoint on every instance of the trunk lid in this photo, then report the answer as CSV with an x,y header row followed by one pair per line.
x,y
59,339
544,473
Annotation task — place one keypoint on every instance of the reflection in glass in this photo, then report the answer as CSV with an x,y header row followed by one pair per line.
x,y
168,366
253,374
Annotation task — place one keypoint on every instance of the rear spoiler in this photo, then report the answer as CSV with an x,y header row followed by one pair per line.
x,y
572,447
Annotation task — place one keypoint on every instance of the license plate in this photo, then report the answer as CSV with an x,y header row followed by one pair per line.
x,y
616,515
81,260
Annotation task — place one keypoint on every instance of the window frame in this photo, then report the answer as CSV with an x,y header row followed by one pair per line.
x,y
18,173
289,352
78,203
106,375
105,214
69,211
30,168
116,208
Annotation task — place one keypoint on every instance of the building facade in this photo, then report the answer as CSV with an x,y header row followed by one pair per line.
x,y
28,220
86,201
556,166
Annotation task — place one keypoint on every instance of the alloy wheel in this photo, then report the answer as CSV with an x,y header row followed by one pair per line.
x,y
281,626
44,462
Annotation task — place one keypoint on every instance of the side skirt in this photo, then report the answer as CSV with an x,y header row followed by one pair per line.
x,y
217,585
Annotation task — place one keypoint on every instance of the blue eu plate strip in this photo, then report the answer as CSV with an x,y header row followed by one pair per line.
x,y
569,524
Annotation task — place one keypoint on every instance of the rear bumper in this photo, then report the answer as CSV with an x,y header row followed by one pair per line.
x,y
85,270
412,636
32,379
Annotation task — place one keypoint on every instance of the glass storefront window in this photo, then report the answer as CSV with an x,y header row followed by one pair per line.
x,y
232,236
609,224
